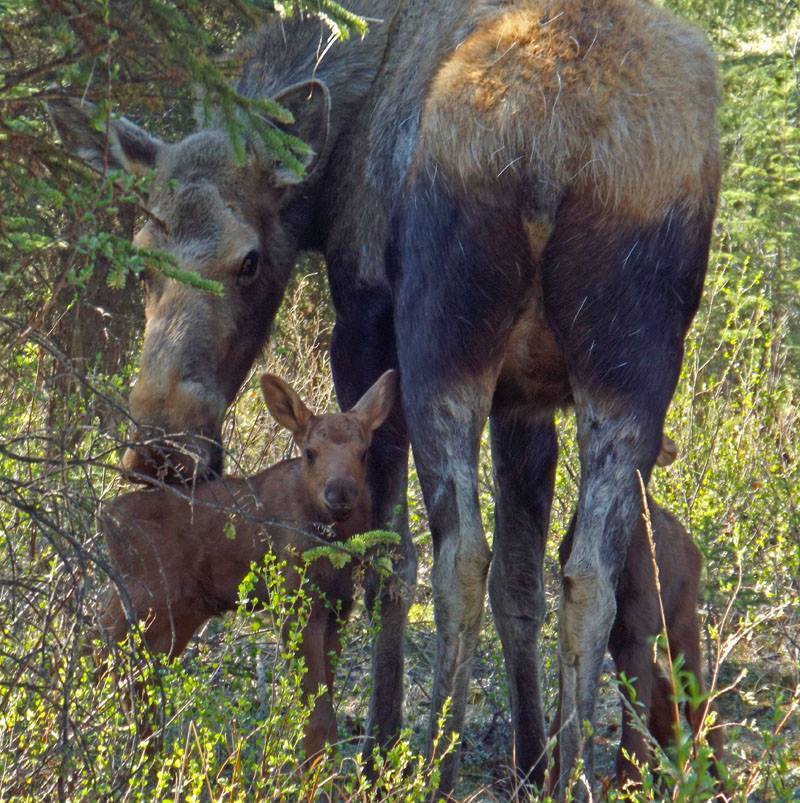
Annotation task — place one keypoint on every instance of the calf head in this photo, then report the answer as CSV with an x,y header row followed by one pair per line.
x,y
222,220
333,446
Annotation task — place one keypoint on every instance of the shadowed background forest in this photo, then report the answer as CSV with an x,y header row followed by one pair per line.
x,y
70,329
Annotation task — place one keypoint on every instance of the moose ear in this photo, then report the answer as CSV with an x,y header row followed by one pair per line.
x,y
376,404
129,147
310,105
284,404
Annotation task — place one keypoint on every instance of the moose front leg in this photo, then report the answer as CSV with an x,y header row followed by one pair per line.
x,y
361,350
389,598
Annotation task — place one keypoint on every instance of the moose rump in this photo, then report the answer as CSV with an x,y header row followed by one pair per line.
x,y
549,247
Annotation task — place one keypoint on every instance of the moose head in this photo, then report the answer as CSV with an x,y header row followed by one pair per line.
x,y
222,220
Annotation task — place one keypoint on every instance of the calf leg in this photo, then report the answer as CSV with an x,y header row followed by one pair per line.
x,y
113,621
169,625
172,627
524,458
619,295
333,643
361,350
168,629
333,647
321,725
662,718
685,639
635,659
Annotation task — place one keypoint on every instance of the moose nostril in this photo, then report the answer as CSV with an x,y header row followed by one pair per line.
x,y
335,498
138,462
339,495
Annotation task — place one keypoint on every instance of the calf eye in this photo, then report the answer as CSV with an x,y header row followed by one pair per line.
x,y
310,456
249,267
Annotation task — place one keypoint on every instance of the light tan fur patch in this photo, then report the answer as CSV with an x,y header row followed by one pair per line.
x,y
538,230
614,99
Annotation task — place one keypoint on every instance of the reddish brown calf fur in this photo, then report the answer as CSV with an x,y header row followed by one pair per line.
x,y
179,568
638,622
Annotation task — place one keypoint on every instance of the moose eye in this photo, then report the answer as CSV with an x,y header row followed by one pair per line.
x,y
364,456
310,456
249,267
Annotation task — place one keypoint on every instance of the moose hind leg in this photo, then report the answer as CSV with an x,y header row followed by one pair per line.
x,y
445,436
524,458
607,511
620,297
461,271
447,466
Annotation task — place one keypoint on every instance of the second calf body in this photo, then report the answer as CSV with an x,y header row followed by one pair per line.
x,y
638,622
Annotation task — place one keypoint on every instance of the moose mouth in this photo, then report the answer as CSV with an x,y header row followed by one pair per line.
x,y
341,513
171,460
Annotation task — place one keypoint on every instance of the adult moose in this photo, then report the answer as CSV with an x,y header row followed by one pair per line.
x,y
515,201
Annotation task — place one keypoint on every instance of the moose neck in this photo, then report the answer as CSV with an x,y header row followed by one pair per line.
x,y
290,51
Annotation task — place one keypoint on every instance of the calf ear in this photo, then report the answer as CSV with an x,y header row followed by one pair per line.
x,y
284,404
668,453
376,404
310,105
127,146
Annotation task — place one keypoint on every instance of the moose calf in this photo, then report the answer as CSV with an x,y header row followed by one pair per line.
x,y
179,566
638,622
